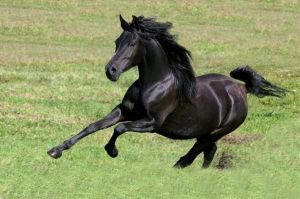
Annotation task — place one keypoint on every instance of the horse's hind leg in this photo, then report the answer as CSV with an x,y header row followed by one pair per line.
x,y
188,158
209,153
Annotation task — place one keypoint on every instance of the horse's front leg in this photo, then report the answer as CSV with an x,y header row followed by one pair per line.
x,y
114,117
142,125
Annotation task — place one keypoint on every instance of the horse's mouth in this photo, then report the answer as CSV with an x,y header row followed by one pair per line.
x,y
113,77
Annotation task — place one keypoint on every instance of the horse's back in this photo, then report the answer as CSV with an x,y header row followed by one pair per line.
x,y
215,77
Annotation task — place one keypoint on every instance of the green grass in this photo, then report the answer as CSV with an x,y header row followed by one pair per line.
x,y
52,84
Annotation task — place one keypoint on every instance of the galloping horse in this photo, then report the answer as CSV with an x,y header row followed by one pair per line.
x,y
167,98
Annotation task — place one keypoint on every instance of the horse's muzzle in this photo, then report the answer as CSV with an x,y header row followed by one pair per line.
x,y
112,73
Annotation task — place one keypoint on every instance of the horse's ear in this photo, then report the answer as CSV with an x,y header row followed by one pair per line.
x,y
135,23
124,24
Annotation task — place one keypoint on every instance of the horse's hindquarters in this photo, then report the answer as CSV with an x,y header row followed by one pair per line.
x,y
219,107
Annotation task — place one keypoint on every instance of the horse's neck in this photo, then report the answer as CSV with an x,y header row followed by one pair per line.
x,y
155,66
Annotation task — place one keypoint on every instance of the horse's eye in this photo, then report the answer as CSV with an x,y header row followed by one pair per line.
x,y
131,44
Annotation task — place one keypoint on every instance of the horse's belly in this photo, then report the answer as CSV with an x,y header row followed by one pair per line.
x,y
189,122
179,130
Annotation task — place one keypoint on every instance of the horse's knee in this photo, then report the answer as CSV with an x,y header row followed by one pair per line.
x,y
121,128
91,128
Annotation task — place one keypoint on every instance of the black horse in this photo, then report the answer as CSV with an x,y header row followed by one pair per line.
x,y
167,98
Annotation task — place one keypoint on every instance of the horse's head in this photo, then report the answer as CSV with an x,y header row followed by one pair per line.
x,y
130,50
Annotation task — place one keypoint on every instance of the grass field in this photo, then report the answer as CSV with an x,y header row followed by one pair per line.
x,y
52,84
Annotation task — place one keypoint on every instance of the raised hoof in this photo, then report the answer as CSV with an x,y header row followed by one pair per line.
x,y
55,153
112,151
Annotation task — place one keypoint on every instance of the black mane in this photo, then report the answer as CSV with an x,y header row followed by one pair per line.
x,y
178,56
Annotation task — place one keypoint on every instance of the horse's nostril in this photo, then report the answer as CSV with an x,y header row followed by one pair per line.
x,y
113,70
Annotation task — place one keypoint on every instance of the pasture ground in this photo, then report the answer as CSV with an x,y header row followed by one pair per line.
x,y
52,84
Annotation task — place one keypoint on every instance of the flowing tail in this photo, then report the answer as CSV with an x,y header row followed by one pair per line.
x,y
256,84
